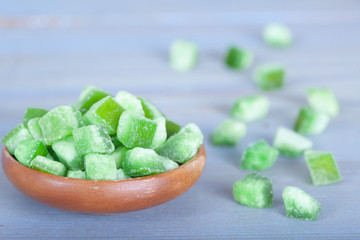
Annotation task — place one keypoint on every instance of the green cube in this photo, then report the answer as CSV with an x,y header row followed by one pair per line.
x,y
15,137
277,35
171,128
323,100
120,174
76,174
34,129
270,76
47,165
150,110
229,132
183,55
300,205
33,113
290,143
129,102
137,131
27,150
323,168
254,191
259,156
238,59
310,121
100,167
118,156
93,139
249,109
168,164
66,150
90,95
59,123
106,111
182,146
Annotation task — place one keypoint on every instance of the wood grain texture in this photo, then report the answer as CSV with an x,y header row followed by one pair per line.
x,y
49,50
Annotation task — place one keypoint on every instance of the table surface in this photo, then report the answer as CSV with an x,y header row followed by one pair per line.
x,y
49,50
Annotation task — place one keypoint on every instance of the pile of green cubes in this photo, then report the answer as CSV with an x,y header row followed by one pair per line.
x,y
102,138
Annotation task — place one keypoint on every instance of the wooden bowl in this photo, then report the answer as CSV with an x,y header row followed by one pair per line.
x,y
103,196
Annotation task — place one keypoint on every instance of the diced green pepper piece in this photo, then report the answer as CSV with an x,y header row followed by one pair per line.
x,y
171,128
249,109
100,167
93,139
76,174
310,121
47,165
323,100
277,35
259,156
323,168
151,111
254,191
68,155
239,59
34,129
120,174
90,95
15,137
229,132
118,155
33,113
300,205
270,76
129,102
290,143
106,111
27,150
182,146
183,55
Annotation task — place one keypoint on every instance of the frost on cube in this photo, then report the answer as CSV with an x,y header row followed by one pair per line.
x,y
277,35
237,58
229,132
27,150
310,121
76,174
183,55
254,191
150,110
323,168
129,102
31,113
15,137
93,139
66,150
300,205
323,100
290,143
249,109
99,167
34,129
259,156
90,95
182,146
59,123
47,165
270,76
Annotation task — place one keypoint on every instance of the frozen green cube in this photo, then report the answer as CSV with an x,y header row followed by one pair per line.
x,y
15,137
129,102
141,162
249,109
238,58
120,174
310,121
323,100
150,110
47,165
254,191
171,128
183,55
106,111
100,167
27,150
59,123
34,129
270,76
229,132
277,35
323,168
137,131
76,174
66,150
300,205
33,113
182,146
90,95
259,156
118,156
93,139
290,143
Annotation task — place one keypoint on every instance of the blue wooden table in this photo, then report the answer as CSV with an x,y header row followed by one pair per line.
x,y
49,50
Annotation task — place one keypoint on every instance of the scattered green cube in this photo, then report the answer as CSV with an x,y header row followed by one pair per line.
x,y
76,174
310,121
249,109
118,155
238,59
90,95
27,150
229,132
68,155
171,128
290,143
151,111
33,113
300,205
47,165
100,167
120,174
59,123
183,55
323,100
277,35
34,129
254,191
259,156
129,102
15,137
270,76
323,168
182,146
